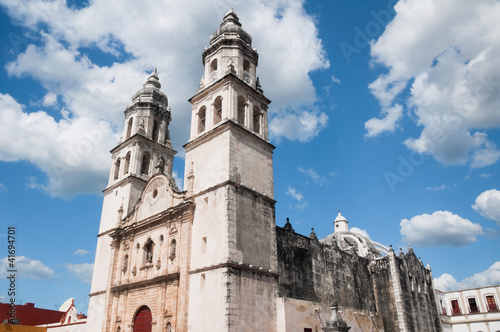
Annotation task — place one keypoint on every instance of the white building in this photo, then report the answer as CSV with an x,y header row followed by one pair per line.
x,y
470,310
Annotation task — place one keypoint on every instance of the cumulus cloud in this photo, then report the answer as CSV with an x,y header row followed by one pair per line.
x,y
89,94
72,152
488,205
447,53
27,268
442,228
376,126
81,271
297,125
360,231
448,283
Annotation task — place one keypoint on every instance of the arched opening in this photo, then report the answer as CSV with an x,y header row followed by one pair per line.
x,y
217,110
169,327
156,129
202,113
241,110
148,251
127,163
129,127
146,159
143,320
213,65
117,169
246,65
256,120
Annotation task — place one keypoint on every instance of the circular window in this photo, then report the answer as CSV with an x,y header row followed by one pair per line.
x,y
155,193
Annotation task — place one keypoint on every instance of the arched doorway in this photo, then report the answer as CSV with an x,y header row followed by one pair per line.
x,y
142,320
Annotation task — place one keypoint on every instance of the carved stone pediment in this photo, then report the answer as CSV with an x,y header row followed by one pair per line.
x,y
158,196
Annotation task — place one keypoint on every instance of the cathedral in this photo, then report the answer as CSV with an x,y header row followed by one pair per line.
x,y
210,257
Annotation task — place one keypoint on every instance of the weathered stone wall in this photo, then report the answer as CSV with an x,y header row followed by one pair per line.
x,y
417,287
375,295
313,271
384,293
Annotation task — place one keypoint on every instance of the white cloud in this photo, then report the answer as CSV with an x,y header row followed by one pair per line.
x,y
95,95
488,205
178,179
360,231
72,152
388,123
336,80
81,252
81,271
27,268
317,178
442,228
448,283
50,99
297,125
3,188
297,195
438,188
448,51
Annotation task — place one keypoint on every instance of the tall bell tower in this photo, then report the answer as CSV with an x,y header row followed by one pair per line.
x,y
145,143
229,169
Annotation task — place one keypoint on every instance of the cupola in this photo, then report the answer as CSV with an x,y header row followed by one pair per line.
x,y
341,224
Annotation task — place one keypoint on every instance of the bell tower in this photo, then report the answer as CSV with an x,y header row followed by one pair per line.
x,y
143,149
229,171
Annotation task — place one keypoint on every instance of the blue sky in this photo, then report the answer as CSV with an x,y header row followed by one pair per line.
x,y
387,111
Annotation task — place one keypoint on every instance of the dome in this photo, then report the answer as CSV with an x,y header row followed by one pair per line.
x,y
363,246
231,28
150,92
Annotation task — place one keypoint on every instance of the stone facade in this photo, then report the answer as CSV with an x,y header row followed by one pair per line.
x,y
375,292
210,257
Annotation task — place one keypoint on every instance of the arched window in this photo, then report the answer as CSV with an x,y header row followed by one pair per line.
x,y
156,129
169,327
148,251
146,159
127,163
217,110
202,113
246,65
117,168
241,110
129,127
143,320
256,119
213,65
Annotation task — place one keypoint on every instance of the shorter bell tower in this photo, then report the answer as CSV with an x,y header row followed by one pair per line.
x,y
143,150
